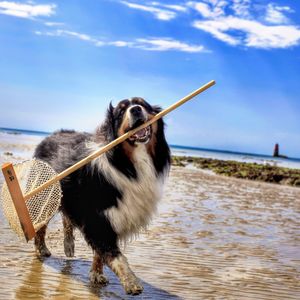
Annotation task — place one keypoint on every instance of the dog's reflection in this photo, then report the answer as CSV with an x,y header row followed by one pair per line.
x,y
41,283
59,278
32,284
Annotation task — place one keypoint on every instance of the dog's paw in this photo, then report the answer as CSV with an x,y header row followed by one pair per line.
x,y
42,251
69,247
133,288
99,278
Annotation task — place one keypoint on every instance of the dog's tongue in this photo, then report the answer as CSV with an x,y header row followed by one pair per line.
x,y
141,132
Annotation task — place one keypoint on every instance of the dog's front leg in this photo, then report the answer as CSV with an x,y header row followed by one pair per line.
x,y
96,272
120,267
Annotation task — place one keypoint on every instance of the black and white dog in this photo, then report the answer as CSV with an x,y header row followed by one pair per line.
x,y
115,195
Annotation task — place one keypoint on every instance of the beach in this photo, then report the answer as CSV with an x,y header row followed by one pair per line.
x,y
213,237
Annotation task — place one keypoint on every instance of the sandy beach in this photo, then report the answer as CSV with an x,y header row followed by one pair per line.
x,y
213,237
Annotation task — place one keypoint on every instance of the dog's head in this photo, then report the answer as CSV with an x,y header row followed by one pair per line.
x,y
129,114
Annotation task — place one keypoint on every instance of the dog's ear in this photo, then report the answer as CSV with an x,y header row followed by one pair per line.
x,y
156,108
110,111
107,128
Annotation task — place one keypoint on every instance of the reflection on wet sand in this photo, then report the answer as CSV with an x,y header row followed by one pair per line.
x,y
42,282
59,278
213,238
32,284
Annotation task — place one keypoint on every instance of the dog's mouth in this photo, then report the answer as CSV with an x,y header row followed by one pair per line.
x,y
142,136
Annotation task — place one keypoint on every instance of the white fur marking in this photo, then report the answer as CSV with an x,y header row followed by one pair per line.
x,y
140,196
128,279
120,265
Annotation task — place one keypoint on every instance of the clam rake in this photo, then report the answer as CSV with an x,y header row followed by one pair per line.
x,y
31,193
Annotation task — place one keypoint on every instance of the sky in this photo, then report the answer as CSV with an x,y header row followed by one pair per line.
x,y
62,62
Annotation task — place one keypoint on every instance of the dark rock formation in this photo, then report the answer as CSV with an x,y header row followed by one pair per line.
x,y
252,171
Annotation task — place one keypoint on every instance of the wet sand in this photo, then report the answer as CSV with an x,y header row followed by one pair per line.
x,y
213,238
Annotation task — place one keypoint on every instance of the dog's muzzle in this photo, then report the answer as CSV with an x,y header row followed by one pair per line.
x,y
137,117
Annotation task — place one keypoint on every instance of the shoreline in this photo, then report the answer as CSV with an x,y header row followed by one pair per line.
x,y
242,170
11,137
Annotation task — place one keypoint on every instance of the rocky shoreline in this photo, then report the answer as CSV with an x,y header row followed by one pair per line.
x,y
252,171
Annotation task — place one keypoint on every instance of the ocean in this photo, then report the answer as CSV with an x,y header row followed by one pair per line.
x,y
7,134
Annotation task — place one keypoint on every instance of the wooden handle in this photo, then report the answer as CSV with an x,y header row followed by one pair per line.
x,y
117,141
18,200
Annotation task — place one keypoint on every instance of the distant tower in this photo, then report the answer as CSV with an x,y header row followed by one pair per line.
x,y
276,150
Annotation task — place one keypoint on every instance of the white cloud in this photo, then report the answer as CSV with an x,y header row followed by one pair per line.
x,y
217,28
61,32
275,15
81,36
234,23
211,9
26,10
251,33
175,7
159,13
167,44
202,8
54,24
241,8
150,44
120,44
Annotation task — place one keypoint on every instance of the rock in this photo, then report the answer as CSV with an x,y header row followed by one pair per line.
x,y
8,153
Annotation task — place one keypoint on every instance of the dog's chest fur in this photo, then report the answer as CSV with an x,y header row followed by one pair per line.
x,y
140,195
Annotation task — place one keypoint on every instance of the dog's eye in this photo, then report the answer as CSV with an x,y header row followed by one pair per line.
x,y
121,108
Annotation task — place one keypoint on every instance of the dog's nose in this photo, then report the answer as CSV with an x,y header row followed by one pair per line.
x,y
137,116
136,110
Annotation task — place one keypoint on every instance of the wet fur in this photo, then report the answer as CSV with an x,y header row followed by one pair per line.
x,y
112,197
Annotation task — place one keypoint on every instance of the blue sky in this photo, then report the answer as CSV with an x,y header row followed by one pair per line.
x,y
61,62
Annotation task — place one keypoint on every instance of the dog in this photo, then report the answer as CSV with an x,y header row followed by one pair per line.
x,y
113,197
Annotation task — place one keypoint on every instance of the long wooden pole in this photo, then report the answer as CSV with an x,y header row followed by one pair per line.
x,y
117,141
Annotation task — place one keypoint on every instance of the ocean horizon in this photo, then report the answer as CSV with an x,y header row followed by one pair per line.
x,y
183,150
